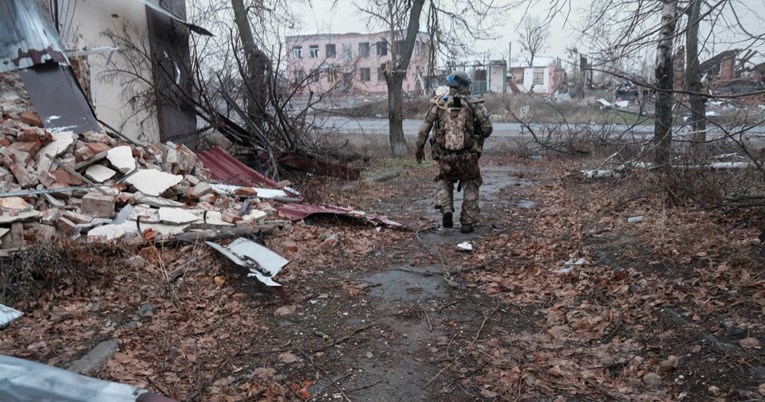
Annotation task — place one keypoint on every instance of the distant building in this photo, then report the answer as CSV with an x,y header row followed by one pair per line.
x,y
546,77
353,62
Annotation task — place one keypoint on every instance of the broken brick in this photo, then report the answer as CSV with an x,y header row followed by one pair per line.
x,y
45,233
77,217
31,118
65,225
64,177
30,147
98,205
50,216
23,177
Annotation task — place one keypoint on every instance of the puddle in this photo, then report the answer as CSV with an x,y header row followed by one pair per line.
x,y
406,286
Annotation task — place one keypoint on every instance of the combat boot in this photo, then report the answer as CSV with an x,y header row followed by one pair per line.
x,y
466,229
446,219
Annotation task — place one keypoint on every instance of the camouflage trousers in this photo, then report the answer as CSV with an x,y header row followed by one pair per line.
x,y
459,168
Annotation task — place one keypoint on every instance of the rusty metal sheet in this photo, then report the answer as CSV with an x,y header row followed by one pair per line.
x,y
302,211
27,38
230,170
58,98
263,263
317,166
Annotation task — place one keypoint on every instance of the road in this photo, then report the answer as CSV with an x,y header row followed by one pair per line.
x,y
375,127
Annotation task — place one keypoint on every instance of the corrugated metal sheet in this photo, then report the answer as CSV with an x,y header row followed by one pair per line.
x,y
302,211
230,170
26,37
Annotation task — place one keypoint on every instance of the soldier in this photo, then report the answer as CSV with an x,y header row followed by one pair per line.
x,y
459,126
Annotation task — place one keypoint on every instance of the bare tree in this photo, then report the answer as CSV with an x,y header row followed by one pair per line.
x,y
693,77
664,79
534,37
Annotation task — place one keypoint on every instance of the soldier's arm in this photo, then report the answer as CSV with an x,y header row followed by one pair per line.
x,y
425,127
482,117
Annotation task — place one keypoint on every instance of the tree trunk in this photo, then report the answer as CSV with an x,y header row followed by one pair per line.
x,y
394,79
663,129
395,116
257,64
693,80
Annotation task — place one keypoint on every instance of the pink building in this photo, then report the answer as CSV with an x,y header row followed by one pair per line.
x,y
353,62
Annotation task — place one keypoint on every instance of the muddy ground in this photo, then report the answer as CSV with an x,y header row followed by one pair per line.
x,y
560,300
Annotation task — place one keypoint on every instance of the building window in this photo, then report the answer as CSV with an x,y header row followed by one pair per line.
x,y
365,74
364,49
539,76
330,50
314,49
382,48
298,51
332,75
381,72
399,46
299,76
347,52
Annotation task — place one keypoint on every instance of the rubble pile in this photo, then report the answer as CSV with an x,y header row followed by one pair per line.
x,y
98,187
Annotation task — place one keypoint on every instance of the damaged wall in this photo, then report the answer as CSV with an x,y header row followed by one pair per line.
x,y
115,98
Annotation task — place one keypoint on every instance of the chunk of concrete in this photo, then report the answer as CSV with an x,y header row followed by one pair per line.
x,y
153,182
61,141
99,173
176,216
122,158
144,214
255,216
19,217
16,203
96,358
157,202
105,233
200,190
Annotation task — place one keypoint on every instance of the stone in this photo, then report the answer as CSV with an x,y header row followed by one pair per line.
x,y
99,173
50,216
193,180
77,218
22,216
31,118
45,233
105,233
153,182
255,216
157,202
652,379
29,147
122,159
63,177
144,214
200,190
23,177
176,216
98,205
96,358
61,142
65,225
16,203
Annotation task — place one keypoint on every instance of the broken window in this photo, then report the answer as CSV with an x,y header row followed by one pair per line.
x,y
399,47
298,51
381,72
539,77
347,52
330,50
314,49
365,74
382,48
299,76
364,49
315,76
332,75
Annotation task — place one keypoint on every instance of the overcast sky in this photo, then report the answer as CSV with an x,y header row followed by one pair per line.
x,y
322,17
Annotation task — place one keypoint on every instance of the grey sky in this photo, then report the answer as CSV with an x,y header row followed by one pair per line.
x,y
322,17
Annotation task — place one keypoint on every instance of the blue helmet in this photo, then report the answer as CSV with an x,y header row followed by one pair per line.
x,y
458,79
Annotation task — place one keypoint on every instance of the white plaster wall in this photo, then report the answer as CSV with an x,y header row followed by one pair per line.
x,y
497,79
88,19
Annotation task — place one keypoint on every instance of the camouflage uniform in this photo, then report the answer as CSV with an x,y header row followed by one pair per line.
x,y
456,166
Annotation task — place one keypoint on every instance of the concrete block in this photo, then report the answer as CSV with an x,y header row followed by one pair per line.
x,y
96,358
98,205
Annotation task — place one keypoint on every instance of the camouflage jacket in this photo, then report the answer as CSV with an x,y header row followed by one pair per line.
x,y
478,125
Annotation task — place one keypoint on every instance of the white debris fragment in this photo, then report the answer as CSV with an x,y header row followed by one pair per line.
x,y
152,181
255,215
106,233
121,158
99,173
8,314
263,263
570,264
465,246
176,216
61,141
